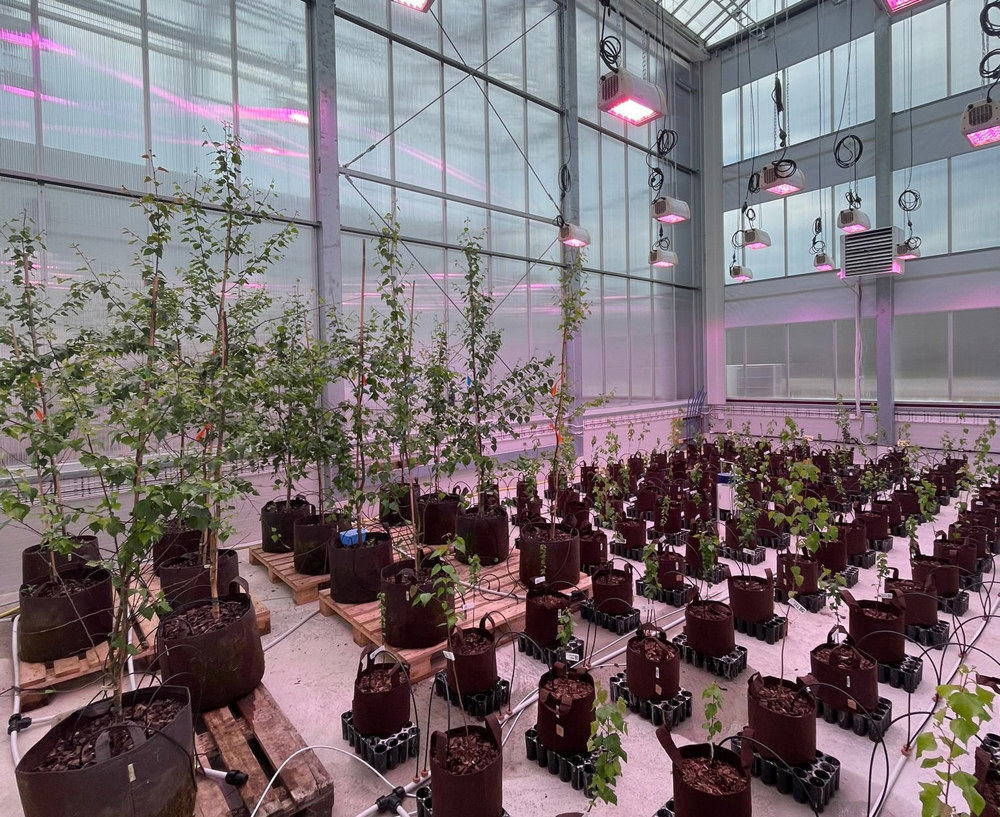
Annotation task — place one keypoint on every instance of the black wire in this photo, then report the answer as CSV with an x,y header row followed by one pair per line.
x,y
909,200
990,29
655,179
853,199
610,48
848,150
985,71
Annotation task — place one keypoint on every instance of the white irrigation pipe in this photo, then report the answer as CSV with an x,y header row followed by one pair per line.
x,y
898,768
275,641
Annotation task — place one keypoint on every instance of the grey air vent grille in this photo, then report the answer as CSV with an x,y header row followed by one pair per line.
x,y
609,87
980,114
872,252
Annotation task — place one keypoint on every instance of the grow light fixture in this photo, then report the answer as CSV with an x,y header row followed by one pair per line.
x,y
740,273
781,185
853,221
628,97
662,258
823,262
418,5
756,239
981,123
573,235
669,210
906,252
892,6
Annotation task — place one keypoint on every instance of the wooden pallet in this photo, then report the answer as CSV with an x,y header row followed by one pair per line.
x,y
424,663
38,682
254,736
281,568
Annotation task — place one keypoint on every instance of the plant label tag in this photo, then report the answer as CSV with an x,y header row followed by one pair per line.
x,y
794,604
658,689
847,683
449,655
572,656
560,732
656,673
748,551
886,596
469,607
851,704
539,579
131,773
411,592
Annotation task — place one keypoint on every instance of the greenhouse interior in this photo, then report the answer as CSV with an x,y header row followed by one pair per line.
x,y
619,324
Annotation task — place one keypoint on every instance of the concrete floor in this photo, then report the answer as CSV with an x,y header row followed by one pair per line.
x,y
311,673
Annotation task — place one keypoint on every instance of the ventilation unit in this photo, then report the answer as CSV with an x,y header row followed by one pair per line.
x,y
872,252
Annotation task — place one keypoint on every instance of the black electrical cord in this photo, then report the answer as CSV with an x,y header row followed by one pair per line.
x,y
655,179
848,150
610,47
990,29
853,199
663,242
818,244
909,200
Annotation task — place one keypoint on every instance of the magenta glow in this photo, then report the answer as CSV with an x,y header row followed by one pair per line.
x,y
783,189
854,228
987,136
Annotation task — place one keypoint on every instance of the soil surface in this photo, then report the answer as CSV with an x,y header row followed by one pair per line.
x,y
713,776
65,587
550,602
192,559
750,583
469,753
880,614
75,747
785,701
654,650
906,586
844,661
611,579
569,688
201,619
473,643
376,680
545,535
712,611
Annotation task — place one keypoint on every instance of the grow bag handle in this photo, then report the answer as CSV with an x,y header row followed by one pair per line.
x,y
102,744
848,598
667,742
893,573
239,584
367,660
769,575
649,629
488,618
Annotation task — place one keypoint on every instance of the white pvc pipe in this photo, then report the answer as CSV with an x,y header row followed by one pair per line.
x,y
275,641
898,768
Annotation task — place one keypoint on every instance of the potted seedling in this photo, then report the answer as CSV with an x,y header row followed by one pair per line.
x,y
467,768
966,709
652,664
605,745
847,678
710,779
782,714
566,698
65,605
563,410
709,623
878,627
381,703
495,399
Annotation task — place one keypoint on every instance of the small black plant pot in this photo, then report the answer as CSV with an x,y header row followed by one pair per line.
x,y
562,556
380,712
355,572
408,623
311,539
36,562
394,504
437,516
277,523
455,792
185,580
486,535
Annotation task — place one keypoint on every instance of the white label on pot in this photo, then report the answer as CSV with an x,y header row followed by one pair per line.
x,y
748,551
847,683
469,607
131,773
572,656
449,655
656,672
539,579
886,596
851,704
794,604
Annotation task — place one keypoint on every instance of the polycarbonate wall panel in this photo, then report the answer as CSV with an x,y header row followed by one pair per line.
x,y
921,357
975,362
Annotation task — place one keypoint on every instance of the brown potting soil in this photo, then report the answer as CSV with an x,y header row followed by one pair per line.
x,y
546,534
908,586
75,747
749,583
469,753
186,560
377,680
843,660
655,650
713,776
779,698
879,614
65,587
569,688
550,602
611,579
473,643
708,612
202,619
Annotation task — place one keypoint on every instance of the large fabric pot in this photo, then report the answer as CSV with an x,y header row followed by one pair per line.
x,y
848,679
58,626
184,581
855,537
890,509
652,664
709,628
562,556
356,572
878,627
593,547
36,561
177,539
394,503
218,666
153,779
410,625
808,571
486,535
542,607
437,514
473,671
920,598
380,712
962,554
453,794
690,799
670,569
612,589
277,523
633,531
944,574
833,555
563,720
752,597
876,525
311,540
789,736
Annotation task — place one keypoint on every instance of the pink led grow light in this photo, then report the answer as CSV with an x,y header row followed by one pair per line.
x,y
899,5
908,257
825,268
986,136
633,111
574,242
758,245
854,228
419,5
783,189
665,262
742,278
672,218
